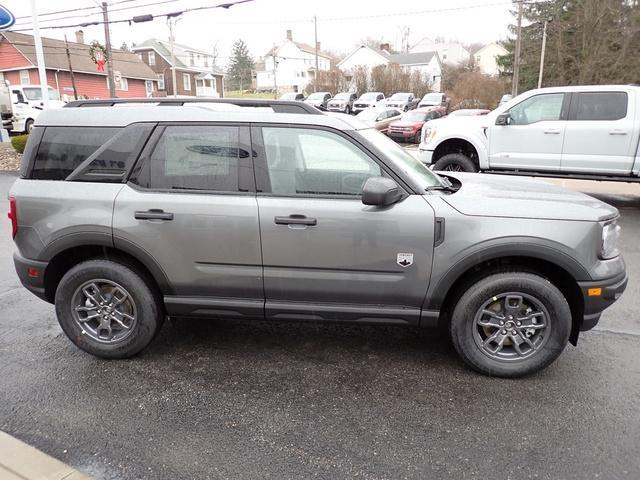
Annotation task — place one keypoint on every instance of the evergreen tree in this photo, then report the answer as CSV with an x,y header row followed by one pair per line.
x,y
240,66
588,42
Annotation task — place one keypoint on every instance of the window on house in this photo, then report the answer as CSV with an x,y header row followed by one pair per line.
x,y
191,59
24,77
152,58
148,86
206,61
161,81
123,85
186,81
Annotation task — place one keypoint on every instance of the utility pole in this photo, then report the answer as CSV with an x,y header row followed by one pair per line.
x,y
516,60
42,72
73,80
174,84
107,39
275,82
315,27
544,47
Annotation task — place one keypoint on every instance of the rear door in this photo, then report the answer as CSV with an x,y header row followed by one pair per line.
x,y
326,255
602,132
533,140
190,206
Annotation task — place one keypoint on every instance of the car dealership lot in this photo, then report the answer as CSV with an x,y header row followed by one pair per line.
x,y
235,399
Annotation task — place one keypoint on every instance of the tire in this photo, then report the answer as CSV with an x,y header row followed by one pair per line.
x,y
347,110
114,281
551,328
455,162
418,136
28,126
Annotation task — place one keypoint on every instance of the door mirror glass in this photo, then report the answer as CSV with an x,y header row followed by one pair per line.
x,y
504,119
381,191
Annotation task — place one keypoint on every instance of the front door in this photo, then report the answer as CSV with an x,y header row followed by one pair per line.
x,y
327,255
602,132
190,205
533,140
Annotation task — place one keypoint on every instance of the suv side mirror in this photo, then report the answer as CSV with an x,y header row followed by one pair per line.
x,y
381,191
504,119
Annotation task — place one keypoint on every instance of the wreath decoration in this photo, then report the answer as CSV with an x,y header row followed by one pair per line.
x,y
98,54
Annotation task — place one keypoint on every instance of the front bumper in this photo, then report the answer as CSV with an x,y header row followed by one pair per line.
x,y
599,295
425,156
404,135
31,274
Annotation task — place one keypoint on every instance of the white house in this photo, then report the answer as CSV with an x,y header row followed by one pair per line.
x,y
486,58
450,53
427,63
295,65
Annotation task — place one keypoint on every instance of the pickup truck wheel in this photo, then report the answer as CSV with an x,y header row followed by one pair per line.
x,y
107,309
28,126
347,110
455,162
510,324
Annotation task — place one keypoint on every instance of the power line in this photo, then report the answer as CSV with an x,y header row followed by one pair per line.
x,y
142,18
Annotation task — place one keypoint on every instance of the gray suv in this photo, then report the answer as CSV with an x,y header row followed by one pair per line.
x,y
126,216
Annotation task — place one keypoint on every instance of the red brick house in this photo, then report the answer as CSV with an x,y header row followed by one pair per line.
x,y
18,65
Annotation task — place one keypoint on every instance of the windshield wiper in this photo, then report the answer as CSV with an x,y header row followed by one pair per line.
x,y
443,188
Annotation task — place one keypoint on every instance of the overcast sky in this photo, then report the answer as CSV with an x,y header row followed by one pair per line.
x,y
261,23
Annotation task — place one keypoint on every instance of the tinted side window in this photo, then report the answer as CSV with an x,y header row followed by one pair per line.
x,y
546,107
195,158
63,149
601,106
315,162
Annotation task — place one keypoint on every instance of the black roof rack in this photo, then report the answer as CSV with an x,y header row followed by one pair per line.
x,y
278,106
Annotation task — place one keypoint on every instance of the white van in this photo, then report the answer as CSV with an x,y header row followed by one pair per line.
x,y
20,105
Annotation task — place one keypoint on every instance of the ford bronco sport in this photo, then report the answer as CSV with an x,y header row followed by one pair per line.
x,y
125,216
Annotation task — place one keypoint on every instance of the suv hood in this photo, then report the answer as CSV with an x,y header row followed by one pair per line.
x,y
505,196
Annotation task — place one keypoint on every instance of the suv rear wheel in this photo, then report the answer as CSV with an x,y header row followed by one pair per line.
x,y
511,324
107,309
455,162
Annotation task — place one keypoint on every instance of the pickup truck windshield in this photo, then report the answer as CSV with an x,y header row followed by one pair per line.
x,y
367,97
400,96
316,96
342,96
432,97
409,164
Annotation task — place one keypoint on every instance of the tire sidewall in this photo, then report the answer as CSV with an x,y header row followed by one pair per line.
x,y
462,323
465,162
148,321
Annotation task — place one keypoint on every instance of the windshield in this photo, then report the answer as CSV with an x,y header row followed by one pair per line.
x,y
35,94
399,96
367,97
316,96
432,97
415,116
342,96
288,96
409,164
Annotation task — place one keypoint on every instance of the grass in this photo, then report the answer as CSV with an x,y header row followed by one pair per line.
x,y
247,94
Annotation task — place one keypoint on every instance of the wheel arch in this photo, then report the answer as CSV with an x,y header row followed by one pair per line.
x,y
461,144
560,269
63,259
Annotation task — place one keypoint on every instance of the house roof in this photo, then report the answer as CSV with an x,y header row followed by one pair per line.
x,y
305,47
383,53
418,58
55,56
163,48
481,50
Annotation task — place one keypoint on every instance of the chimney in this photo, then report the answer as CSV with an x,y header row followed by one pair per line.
x,y
79,36
384,47
289,35
318,46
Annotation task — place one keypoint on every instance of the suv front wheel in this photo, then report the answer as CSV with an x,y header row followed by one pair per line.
x,y
455,162
511,324
107,309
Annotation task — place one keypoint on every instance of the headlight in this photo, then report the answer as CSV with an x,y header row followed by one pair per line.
x,y
610,236
428,133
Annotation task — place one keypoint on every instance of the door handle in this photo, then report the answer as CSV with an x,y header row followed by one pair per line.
x,y
617,132
552,131
296,220
153,214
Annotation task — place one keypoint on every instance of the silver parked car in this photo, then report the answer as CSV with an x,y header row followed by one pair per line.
x,y
403,101
126,216
342,102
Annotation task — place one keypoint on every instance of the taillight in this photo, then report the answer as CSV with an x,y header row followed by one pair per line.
x,y
13,216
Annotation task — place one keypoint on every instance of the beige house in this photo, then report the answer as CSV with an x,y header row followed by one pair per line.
x,y
486,58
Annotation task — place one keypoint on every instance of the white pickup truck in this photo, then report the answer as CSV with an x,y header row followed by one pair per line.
x,y
20,105
578,132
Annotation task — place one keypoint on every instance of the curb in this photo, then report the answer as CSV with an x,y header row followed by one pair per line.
x,y
19,461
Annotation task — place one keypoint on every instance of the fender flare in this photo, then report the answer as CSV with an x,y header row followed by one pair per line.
x,y
481,147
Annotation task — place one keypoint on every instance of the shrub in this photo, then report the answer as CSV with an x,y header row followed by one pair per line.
x,y
19,143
